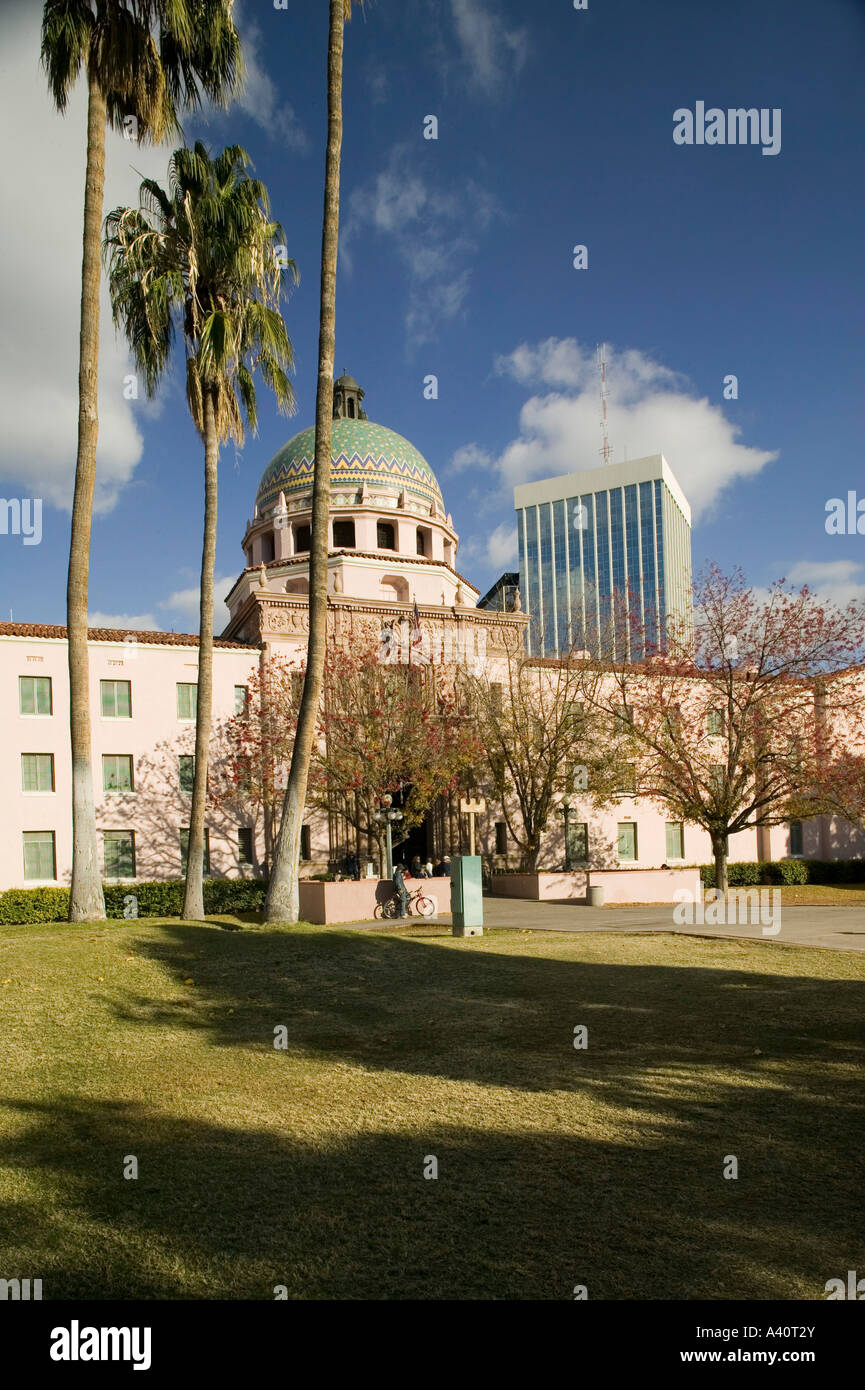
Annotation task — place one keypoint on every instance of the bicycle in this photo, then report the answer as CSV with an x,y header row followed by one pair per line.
x,y
418,903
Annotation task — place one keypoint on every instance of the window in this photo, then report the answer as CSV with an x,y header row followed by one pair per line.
x,y
421,542
715,722
626,779
627,840
244,844
623,717
119,853
384,533
116,699
305,847
37,772
343,534
267,548
672,724
578,842
117,772
574,714
186,771
795,837
34,695
501,837
39,857
675,839
187,700
350,407
184,849
241,700
302,537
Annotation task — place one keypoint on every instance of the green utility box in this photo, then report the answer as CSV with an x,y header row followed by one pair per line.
x,y
467,899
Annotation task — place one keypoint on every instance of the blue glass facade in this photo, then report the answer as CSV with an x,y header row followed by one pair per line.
x,y
600,570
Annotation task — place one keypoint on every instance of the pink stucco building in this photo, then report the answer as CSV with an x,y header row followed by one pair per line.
x,y
392,563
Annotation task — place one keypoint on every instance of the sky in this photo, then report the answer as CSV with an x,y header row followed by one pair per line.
x,y
555,130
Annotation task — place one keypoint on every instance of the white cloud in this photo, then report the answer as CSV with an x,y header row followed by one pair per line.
x,y
501,546
183,604
432,230
493,53
40,283
650,410
259,98
834,581
124,622
498,550
470,456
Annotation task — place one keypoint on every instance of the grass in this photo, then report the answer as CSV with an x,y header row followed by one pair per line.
x,y
303,1167
823,895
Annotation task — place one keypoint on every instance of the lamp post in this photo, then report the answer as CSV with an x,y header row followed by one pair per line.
x,y
566,812
389,817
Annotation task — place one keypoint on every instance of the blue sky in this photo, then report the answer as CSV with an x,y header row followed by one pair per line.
x,y
555,129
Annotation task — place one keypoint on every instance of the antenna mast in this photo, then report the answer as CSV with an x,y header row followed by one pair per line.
x,y
602,368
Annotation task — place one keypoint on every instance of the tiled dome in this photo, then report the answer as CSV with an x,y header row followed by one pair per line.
x,y
361,452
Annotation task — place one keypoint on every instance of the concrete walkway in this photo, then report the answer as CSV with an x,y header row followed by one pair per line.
x,y
839,928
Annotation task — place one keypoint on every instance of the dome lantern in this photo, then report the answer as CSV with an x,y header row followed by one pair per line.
x,y
347,399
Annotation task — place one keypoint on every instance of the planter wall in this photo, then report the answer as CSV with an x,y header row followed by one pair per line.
x,y
619,885
328,903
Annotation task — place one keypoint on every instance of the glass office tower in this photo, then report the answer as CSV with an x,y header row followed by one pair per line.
x,y
605,559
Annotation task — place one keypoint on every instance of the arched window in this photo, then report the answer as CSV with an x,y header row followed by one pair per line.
x,y
343,534
267,551
394,588
421,542
350,404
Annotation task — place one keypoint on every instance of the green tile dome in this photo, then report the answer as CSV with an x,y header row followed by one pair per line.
x,y
361,452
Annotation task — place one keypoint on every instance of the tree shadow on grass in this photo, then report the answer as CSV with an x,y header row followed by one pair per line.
x,y
495,1018
600,1166
218,1212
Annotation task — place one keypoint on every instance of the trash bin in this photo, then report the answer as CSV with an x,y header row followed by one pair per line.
x,y
595,896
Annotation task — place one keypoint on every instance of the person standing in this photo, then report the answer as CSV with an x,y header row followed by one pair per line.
x,y
401,890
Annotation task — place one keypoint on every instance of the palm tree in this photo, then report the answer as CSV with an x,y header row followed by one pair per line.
x,y
144,60
283,897
203,257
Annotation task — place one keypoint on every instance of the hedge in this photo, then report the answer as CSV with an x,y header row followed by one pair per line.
x,y
160,899
781,871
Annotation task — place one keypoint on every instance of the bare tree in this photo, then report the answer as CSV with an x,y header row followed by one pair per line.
x,y
719,725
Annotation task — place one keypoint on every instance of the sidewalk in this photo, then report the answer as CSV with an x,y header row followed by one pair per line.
x,y
837,928
840,928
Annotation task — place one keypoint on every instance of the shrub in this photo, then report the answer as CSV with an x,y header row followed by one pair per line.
x,y
789,871
34,905
149,899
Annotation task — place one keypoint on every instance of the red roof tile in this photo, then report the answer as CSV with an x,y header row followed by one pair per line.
x,y
110,634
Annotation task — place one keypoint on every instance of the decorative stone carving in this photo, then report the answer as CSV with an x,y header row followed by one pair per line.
x,y
262,576
518,603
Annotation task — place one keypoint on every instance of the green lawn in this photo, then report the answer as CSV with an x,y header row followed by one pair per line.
x,y
304,1167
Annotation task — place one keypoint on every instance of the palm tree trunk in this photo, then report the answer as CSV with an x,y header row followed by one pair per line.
x,y
86,901
193,900
283,898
